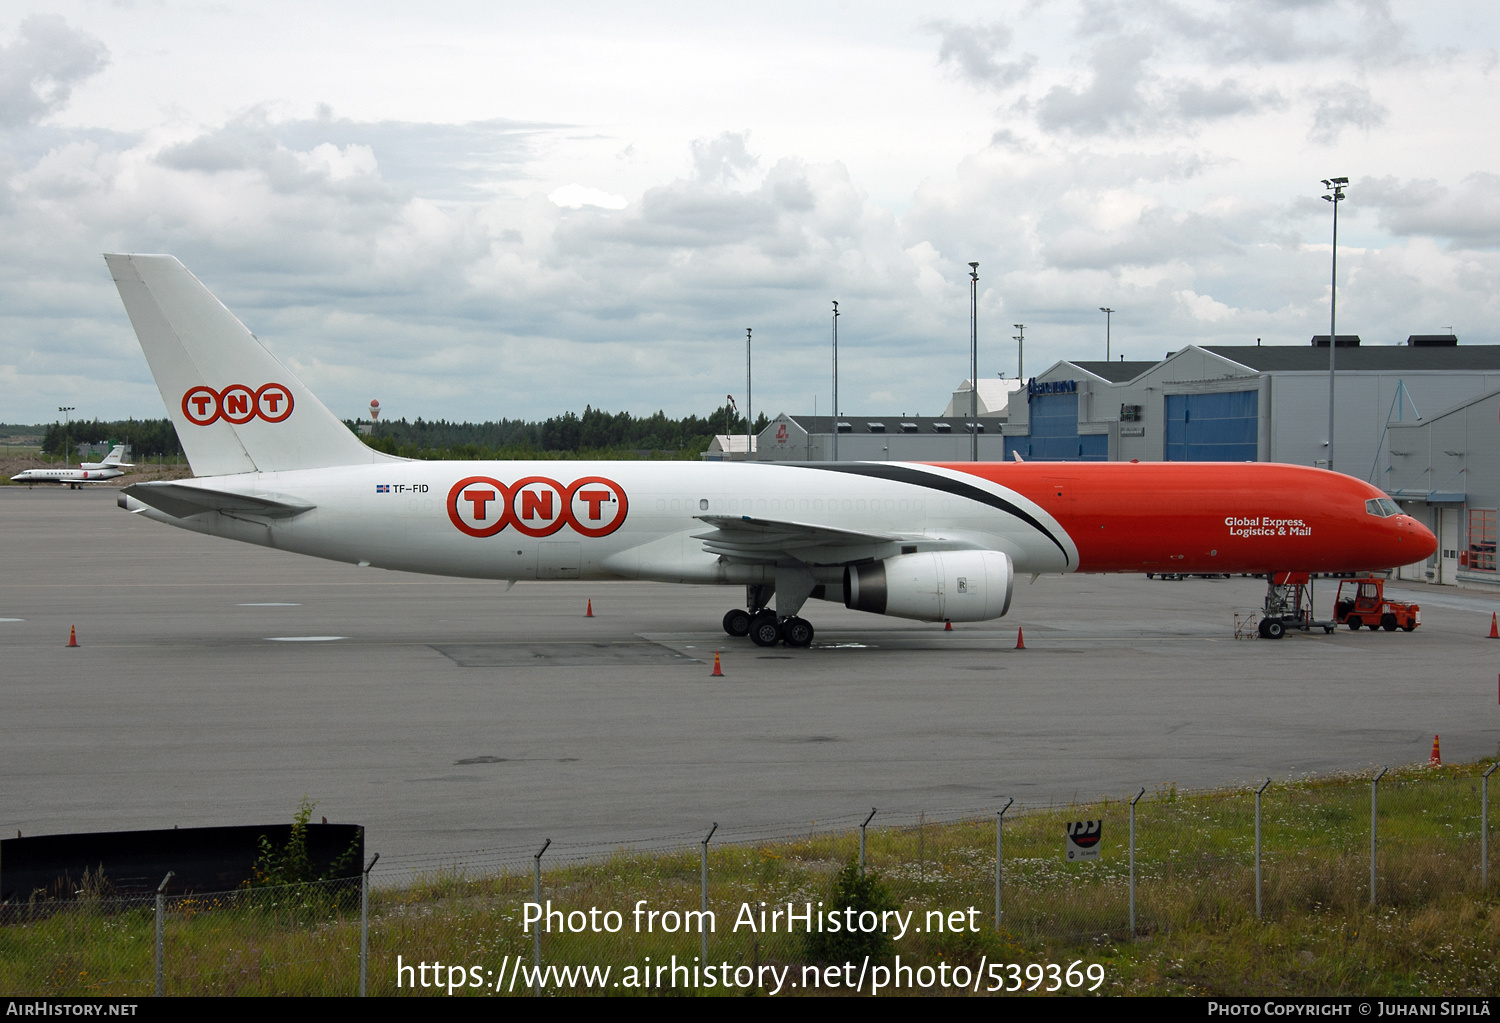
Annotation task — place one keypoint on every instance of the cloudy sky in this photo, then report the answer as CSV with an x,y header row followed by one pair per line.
x,y
479,210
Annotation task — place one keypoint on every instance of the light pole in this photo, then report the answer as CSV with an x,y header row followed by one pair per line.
x,y
1020,338
65,409
973,362
1107,314
1335,195
749,406
835,381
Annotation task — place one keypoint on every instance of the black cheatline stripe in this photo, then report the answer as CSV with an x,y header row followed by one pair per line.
x,y
933,481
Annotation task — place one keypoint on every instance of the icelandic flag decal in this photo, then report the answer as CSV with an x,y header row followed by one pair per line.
x,y
382,488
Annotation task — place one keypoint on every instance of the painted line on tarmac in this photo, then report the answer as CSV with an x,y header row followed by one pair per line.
x,y
269,603
303,639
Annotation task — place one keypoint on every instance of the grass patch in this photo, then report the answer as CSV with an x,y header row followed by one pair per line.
x,y
1432,930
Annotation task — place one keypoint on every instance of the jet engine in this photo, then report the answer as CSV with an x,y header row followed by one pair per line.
x,y
957,586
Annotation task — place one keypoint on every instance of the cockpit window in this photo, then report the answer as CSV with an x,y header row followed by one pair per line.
x,y
1382,506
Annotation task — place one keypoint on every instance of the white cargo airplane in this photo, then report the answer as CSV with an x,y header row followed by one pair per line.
x,y
87,472
928,542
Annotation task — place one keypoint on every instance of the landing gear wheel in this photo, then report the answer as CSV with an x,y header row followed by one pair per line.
x,y
1388,623
737,622
1274,628
797,632
1354,622
765,631
1261,628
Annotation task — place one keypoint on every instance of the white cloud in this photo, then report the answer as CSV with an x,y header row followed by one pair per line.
x,y
1345,105
576,196
40,69
973,51
1204,307
1148,158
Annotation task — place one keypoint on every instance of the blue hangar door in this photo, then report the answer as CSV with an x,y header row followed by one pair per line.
x,y
1213,427
1054,433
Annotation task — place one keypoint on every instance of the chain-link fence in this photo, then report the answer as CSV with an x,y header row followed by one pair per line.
x,y
729,910
299,939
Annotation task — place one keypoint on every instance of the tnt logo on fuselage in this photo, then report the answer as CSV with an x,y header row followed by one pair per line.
x,y
237,404
537,506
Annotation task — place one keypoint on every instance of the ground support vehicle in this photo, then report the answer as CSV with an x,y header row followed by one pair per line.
x,y
1364,603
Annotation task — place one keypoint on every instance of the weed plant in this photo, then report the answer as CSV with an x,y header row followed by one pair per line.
x,y
1432,928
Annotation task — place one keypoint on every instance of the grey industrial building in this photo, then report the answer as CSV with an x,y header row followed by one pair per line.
x,y
1421,421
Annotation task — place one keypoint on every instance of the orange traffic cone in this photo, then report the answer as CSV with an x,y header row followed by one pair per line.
x,y
947,625
1436,760
1020,640
72,635
590,612
718,672
1494,627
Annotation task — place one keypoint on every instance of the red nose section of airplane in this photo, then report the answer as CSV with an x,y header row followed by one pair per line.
x,y
1415,539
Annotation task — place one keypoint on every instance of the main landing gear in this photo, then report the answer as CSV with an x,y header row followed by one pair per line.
x,y
765,629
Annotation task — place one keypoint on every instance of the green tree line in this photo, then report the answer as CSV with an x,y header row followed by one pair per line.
x,y
146,437
594,433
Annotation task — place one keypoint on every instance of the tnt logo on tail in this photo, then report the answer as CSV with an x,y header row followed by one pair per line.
x,y
237,404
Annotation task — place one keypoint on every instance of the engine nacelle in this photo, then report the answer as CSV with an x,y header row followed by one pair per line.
x,y
956,586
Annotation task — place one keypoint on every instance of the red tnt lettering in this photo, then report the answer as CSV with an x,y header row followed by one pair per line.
x,y
272,399
478,499
237,404
201,400
533,502
594,498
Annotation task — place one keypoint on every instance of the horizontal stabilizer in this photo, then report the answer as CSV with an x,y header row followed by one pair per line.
x,y
180,500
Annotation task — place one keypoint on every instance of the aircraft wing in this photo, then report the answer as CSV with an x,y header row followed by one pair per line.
x,y
180,500
754,539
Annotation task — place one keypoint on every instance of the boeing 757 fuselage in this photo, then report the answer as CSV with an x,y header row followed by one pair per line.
x,y
931,542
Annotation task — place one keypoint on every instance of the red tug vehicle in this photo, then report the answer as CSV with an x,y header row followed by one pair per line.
x,y
1366,605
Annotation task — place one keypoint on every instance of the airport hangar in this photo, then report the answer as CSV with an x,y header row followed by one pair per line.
x,y
1420,420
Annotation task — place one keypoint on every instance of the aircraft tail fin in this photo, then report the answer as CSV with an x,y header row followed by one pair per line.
x,y
236,407
116,456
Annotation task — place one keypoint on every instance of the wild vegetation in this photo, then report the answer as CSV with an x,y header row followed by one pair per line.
x,y
1432,928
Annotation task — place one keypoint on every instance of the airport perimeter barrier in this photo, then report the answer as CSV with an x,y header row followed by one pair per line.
x,y
575,919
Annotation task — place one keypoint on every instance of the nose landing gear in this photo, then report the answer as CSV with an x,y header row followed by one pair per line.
x,y
1289,606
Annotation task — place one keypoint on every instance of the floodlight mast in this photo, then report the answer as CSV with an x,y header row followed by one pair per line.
x,y
749,407
1335,187
1108,313
835,381
65,409
1020,338
973,362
